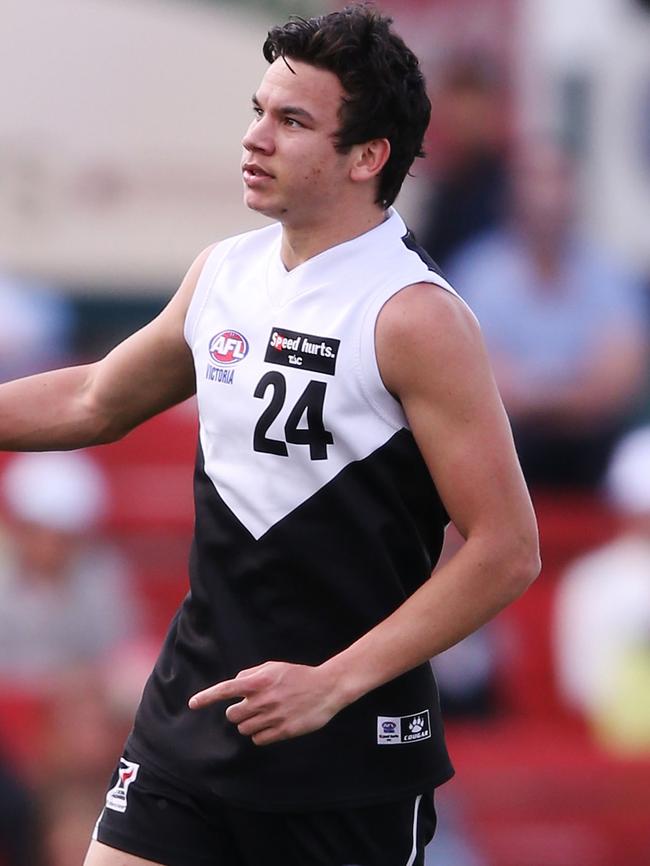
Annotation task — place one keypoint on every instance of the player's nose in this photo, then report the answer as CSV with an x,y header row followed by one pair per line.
x,y
259,136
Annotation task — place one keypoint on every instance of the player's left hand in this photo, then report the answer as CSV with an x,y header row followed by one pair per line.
x,y
279,700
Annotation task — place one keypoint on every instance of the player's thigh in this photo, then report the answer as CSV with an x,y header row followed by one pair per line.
x,y
101,855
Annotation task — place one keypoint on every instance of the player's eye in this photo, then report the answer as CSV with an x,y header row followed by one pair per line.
x,y
257,111
292,122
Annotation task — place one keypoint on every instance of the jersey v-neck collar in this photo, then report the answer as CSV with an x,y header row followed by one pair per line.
x,y
284,285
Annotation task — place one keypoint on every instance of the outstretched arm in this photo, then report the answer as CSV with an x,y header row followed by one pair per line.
x,y
95,403
448,393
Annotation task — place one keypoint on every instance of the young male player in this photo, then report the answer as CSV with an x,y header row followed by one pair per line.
x,y
347,411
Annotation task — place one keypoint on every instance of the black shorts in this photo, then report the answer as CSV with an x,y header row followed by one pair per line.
x,y
150,818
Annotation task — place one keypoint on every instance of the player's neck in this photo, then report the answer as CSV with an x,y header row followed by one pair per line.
x,y
303,242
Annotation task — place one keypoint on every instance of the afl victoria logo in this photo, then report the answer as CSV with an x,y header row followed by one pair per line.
x,y
228,348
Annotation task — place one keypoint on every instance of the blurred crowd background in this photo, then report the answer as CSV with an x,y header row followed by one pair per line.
x,y
119,147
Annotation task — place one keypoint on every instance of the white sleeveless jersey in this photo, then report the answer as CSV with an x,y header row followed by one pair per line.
x,y
287,377
315,518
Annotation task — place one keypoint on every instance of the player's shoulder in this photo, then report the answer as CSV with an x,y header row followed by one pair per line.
x,y
426,332
191,278
426,312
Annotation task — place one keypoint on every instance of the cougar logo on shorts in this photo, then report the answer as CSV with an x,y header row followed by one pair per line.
x,y
116,797
403,729
227,348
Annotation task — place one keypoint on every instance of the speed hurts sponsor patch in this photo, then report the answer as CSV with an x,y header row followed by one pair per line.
x,y
302,351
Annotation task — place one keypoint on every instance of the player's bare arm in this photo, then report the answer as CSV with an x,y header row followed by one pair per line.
x,y
100,402
448,393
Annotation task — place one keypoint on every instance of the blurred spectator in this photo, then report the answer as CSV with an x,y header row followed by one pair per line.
x,y
35,328
564,323
85,730
453,843
64,597
69,813
66,614
465,675
602,615
18,824
468,144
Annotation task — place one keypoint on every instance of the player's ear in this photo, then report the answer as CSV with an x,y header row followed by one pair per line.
x,y
369,158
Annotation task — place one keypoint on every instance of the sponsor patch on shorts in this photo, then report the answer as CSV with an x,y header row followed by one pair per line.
x,y
394,730
127,773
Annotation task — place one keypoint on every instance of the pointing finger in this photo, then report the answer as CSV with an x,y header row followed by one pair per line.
x,y
237,688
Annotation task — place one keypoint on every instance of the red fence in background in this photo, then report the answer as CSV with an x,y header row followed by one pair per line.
x,y
570,524
536,789
150,472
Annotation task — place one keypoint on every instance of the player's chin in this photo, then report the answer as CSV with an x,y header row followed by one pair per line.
x,y
260,204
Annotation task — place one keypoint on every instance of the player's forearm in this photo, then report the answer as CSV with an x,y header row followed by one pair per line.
x,y
50,411
460,597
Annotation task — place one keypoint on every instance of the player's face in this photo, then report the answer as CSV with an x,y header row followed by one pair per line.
x,y
291,169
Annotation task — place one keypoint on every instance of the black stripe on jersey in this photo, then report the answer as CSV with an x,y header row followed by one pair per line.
x,y
411,243
318,579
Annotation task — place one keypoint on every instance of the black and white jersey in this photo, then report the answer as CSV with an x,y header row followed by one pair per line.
x,y
316,518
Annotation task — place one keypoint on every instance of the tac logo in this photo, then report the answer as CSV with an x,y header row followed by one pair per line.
x,y
227,348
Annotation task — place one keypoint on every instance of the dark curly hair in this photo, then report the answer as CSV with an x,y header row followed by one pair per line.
x,y
385,90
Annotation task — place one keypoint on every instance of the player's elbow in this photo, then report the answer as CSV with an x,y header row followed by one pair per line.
x,y
99,426
101,419
107,430
96,428
523,562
